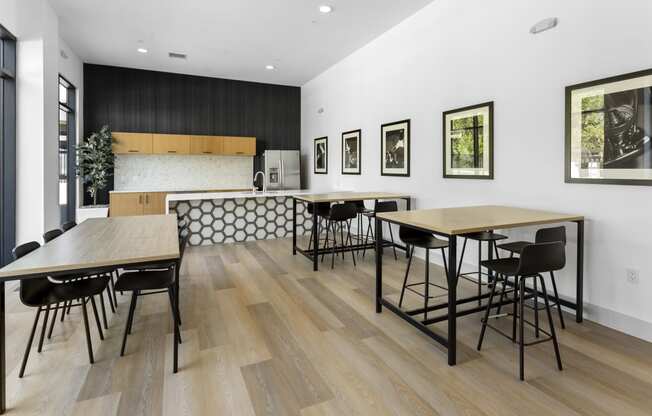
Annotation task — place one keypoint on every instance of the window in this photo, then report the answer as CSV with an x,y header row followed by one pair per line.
x,y
67,140
7,144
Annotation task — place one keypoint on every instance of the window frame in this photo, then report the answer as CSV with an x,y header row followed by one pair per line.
x,y
69,106
7,145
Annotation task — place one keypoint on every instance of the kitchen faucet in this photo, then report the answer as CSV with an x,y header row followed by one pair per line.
x,y
264,183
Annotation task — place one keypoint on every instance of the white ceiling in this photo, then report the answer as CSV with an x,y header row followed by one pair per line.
x,y
227,38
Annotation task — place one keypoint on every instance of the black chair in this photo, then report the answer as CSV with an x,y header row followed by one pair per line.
x,y
383,206
362,210
534,260
68,225
42,294
323,209
339,217
51,235
543,235
415,238
480,237
153,282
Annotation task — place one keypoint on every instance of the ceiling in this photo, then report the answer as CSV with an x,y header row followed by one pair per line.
x,y
227,38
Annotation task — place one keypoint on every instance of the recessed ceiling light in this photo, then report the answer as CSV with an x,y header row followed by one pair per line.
x,y
270,67
325,8
142,50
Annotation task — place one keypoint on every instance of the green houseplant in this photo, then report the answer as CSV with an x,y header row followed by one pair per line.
x,y
95,160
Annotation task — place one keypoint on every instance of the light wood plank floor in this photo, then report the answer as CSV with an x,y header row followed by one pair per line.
x,y
264,335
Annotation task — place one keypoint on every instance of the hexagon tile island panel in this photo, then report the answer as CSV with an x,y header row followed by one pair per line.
x,y
217,221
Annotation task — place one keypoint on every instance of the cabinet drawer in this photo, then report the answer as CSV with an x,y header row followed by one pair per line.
x,y
239,146
206,145
164,144
132,143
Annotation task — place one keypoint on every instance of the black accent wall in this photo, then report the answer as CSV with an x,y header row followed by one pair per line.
x,y
134,100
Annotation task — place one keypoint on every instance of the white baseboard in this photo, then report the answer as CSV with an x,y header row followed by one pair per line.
x,y
620,322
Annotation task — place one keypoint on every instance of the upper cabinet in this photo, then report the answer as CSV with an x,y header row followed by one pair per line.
x,y
166,144
132,143
206,145
239,146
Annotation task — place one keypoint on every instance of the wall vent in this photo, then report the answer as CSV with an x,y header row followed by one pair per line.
x,y
175,55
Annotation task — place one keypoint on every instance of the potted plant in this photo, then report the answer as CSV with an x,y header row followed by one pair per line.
x,y
95,160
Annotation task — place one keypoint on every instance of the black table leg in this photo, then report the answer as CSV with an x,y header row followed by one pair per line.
x,y
294,226
452,300
379,264
579,297
3,381
315,238
408,203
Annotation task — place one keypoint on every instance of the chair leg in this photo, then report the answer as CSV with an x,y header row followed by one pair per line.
x,y
63,310
521,340
131,322
334,244
392,238
45,324
485,320
106,322
443,255
427,286
407,272
108,295
515,314
351,245
97,317
30,340
175,357
115,297
502,294
551,323
480,272
89,345
175,315
366,239
327,241
177,301
132,306
554,289
535,302
459,269
54,319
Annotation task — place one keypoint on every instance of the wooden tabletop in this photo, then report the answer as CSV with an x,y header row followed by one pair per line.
x,y
102,242
454,221
349,196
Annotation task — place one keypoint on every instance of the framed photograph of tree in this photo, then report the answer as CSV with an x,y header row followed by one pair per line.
x,y
351,152
395,148
468,140
321,155
609,130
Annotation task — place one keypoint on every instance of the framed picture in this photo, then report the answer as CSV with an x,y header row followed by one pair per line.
x,y
351,152
609,130
468,140
321,155
395,149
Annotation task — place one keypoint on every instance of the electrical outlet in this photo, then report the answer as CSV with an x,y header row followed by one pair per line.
x,y
632,276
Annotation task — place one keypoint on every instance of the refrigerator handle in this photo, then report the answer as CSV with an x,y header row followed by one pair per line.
x,y
282,174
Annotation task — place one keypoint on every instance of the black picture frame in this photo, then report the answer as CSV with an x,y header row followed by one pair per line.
x,y
384,170
316,170
358,170
568,133
490,175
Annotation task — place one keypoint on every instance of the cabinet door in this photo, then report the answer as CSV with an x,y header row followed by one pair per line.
x,y
132,143
206,145
164,144
124,204
240,146
154,203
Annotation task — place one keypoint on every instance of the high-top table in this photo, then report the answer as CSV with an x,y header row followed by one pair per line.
x,y
454,222
97,245
315,199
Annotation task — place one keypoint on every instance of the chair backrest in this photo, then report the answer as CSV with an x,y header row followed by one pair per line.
x,y
343,212
549,235
407,233
68,225
541,257
28,286
52,234
386,206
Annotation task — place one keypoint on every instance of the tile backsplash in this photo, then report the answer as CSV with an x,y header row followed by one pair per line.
x,y
181,173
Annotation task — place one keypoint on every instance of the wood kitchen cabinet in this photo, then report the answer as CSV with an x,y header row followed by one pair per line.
x,y
164,144
132,143
154,203
136,203
206,145
239,146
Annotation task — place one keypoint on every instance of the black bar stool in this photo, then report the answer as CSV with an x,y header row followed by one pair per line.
x,y
483,236
543,235
323,209
534,260
362,210
339,216
382,206
42,294
415,238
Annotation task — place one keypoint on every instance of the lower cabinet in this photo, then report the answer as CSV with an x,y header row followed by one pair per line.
x,y
136,203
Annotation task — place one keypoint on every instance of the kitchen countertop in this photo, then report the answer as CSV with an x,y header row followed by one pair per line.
x,y
176,191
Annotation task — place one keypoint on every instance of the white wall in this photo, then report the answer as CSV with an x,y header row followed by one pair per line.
x,y
455,53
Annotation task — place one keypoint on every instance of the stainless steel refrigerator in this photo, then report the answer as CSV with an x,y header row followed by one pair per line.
x,y
282,169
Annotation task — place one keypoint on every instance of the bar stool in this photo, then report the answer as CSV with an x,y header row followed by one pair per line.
x,y
480,237
543,235
415,238
383,206
339,216
323,208
42,294
362,210
535,259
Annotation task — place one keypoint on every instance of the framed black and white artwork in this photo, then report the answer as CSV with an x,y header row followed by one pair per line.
x,y
321,155
395,148
351,152
468,142
609,130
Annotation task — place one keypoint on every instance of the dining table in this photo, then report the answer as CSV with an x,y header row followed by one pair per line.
x,y
455,222
95,246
